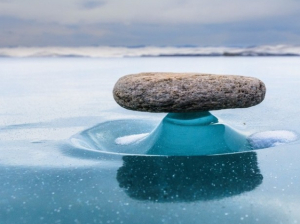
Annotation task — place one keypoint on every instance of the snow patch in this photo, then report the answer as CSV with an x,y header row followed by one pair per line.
x,y
268,139
150,51
130,139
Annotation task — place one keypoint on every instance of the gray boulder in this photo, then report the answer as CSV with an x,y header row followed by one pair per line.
x,y
187,92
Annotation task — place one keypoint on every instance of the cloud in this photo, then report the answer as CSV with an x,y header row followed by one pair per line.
x,y
18,32
147,12
92,4
156,22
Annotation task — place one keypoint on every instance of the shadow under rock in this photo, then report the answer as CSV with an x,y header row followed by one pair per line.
x,y
186,179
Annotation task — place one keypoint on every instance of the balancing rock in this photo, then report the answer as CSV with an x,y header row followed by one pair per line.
x,y
187,92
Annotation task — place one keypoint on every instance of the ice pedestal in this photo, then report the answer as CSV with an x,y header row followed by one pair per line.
x,y
197,133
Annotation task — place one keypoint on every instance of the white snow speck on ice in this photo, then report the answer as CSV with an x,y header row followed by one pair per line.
x,y
130,139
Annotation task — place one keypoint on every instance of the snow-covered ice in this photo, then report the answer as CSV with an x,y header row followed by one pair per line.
x,y
149,51
268,139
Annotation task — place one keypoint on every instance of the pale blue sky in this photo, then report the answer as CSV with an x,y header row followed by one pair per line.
x,y
155,22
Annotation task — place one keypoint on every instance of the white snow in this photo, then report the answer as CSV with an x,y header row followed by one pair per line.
x,y
130,139
271,138
116,52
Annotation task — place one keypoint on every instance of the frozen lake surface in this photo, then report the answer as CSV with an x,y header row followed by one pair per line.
x,y
44,178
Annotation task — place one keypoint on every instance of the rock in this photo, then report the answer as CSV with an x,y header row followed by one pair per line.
x,y
187,92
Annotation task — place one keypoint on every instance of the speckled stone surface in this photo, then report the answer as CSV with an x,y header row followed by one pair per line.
x,y
187,92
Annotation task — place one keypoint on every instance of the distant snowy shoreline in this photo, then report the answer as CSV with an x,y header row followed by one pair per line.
x,y
149,51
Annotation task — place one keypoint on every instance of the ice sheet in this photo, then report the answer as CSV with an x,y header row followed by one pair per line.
x,y
44,101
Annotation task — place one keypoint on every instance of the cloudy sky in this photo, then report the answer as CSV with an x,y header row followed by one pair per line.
x,y
151,22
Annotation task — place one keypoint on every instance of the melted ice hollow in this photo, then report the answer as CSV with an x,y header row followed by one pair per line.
x,y
258,140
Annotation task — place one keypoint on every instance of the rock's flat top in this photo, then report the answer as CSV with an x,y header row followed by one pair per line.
x,y
187,92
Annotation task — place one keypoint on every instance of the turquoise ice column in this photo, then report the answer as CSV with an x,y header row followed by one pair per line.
x,y
196,133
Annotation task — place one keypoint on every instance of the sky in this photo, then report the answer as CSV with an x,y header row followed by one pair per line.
x,y
135,23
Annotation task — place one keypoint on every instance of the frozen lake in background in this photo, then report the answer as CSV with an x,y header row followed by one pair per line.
x,y
44,179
